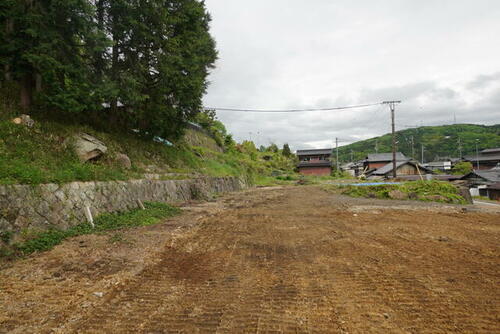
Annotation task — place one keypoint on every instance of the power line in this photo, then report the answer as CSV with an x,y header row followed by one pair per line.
x,y
293,110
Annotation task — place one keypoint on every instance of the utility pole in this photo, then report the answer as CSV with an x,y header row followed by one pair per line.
x,y
337,153
392,106
352,153
412,148
423,153
376,145
477,155
460,147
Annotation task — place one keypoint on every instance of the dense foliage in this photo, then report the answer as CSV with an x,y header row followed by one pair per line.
x,y
438,141
121,63
462,168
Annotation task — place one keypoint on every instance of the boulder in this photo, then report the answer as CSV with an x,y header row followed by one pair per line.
x,y
397,194
123,161
25,120
88,148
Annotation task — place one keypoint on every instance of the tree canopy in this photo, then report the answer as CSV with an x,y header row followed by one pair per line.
x,y
133,64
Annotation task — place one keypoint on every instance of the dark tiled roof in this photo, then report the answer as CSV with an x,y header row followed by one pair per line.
x,y
323,151
489,157
495,186
491,150
323,163
388,168
376,157
491,175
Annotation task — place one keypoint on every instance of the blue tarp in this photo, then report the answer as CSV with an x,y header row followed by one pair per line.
x,y
373,184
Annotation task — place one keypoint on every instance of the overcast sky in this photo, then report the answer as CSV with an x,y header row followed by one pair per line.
x,y
442,58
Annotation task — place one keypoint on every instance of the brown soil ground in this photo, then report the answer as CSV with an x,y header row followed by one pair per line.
x,y
277,260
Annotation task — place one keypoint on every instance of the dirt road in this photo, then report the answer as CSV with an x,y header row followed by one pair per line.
x,y
285,260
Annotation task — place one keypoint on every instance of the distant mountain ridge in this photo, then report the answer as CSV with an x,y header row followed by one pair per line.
x,y
438,141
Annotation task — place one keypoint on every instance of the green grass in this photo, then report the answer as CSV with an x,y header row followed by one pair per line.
x,y
436,191
46,240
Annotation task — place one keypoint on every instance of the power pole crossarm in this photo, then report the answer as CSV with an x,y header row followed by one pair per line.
x,y
392,106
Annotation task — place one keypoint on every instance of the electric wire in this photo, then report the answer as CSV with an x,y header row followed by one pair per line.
x,y
293,110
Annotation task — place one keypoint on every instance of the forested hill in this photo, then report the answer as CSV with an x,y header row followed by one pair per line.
x,y
438,141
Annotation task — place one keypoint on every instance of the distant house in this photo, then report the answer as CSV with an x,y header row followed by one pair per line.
x,y
493,191
486,159
403,168
352,168
441,164
377,160
480,180
483,177
315,162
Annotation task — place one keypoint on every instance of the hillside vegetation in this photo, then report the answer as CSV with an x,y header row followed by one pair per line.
x,y
438,141
44,154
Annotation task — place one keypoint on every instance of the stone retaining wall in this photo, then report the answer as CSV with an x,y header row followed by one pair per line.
x,y
25,207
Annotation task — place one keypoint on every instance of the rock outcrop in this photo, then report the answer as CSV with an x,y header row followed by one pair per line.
x,y
88,147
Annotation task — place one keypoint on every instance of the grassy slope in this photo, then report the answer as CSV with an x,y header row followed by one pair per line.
x,y
42,154
438,141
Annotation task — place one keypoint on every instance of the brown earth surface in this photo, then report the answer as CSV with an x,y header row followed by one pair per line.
x,y
276,260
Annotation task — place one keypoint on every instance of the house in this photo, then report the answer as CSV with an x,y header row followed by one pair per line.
x,y
352,168
493,191
486,159
441,164
377,160
315,162
480,180
403,168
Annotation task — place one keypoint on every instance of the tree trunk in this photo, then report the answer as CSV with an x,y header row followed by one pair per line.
x,y
38,83
9,28
26,91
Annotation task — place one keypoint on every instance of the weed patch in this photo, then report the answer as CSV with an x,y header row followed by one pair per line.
x,y
431,191
46,240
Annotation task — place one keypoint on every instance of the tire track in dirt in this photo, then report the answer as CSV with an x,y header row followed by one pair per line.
x,y
294,260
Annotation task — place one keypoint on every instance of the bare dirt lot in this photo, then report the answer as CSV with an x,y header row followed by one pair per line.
x,y
283,260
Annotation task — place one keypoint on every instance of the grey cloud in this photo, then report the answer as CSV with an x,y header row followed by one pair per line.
x,y
287,54
482,81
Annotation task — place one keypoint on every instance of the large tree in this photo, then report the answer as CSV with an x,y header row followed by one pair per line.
x,y
148,60
46,47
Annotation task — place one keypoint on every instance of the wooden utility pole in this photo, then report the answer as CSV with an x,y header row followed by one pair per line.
x,y
392,106
337,153
412,148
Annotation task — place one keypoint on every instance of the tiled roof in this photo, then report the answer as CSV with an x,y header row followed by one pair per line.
x,y
322,151
495,186
375,157
489,157
388,168
491,150
491,175
321,163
